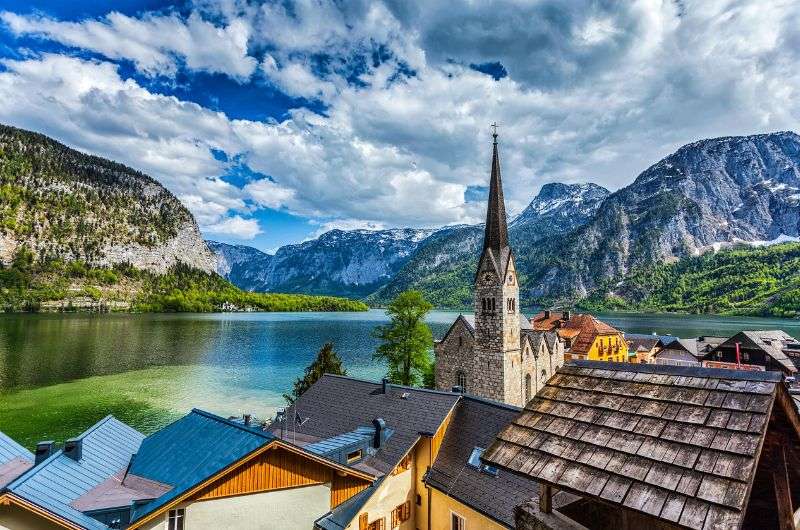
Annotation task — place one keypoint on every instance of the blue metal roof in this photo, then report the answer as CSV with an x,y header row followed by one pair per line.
x,y
59,480
191,450
335,443
9,450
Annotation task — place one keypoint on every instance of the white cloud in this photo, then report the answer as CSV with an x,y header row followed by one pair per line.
x,y
268,194
155,43
236,227
594,92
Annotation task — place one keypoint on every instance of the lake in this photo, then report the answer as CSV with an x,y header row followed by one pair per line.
x,y
55,366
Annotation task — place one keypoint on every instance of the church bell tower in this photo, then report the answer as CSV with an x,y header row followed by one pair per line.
x,y
497,373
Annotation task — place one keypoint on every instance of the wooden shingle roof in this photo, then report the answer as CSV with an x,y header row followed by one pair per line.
x,y
677,443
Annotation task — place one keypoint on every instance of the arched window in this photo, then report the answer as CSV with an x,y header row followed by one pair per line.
x,y
460,341
544,375
493,304
461,380
527,388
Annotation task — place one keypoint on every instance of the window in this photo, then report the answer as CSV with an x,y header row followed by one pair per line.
x,y
461,380
377,524
401,514
483,304
175,519
527,388
511,305
493,304
419,499
474,461
354,456
457,522
544,375
460,341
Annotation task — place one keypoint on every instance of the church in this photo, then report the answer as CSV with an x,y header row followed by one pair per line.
x,y
497,354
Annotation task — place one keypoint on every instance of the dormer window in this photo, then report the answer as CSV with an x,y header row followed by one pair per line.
x,y
354,456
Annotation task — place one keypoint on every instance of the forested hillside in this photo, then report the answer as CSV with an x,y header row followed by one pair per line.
x,y
744,280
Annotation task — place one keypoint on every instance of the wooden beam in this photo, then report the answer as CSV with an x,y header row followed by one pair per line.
x,y
545,498
783,495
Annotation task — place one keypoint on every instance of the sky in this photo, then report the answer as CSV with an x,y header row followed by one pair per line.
x,y
276,121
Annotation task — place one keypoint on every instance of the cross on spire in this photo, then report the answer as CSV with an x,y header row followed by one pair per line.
x,y
494,127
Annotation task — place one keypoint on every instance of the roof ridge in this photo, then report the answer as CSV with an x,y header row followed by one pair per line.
x,y
688,371
393,385
212,416
487,401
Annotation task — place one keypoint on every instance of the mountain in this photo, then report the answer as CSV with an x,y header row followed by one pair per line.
x,y
60,203
746,279
245,267
444,266
339,262
575,240
707,194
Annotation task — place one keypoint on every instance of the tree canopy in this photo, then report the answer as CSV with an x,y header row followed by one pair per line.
x,y
327,362
407,340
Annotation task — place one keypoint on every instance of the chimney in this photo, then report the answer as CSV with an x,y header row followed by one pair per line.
x,y
247,418
380,433
385,386
567,314
44,450
73,448
457,389
280,417
546,314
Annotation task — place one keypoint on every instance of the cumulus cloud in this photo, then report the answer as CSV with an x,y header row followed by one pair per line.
x,y
155,43
594,91
235,227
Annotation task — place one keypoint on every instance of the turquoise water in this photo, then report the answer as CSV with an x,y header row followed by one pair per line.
x,y
242,360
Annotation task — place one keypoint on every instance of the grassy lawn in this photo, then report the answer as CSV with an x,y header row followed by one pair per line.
x,y
62,411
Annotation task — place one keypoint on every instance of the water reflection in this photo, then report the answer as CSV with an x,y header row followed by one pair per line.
x,y
262,352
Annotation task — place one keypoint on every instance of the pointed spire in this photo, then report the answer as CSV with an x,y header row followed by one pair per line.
x,y
496,235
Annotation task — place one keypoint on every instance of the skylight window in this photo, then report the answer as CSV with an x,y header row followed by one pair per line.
x,y
474,461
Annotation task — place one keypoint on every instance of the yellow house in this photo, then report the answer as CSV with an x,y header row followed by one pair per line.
x,y
426,453
584,336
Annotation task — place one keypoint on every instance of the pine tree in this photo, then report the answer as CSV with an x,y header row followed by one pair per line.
x,y
327,362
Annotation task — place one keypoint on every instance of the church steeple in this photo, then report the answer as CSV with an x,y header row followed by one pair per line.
x,y
496,235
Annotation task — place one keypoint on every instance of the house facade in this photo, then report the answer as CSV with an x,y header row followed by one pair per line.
x,y
584,336
495,354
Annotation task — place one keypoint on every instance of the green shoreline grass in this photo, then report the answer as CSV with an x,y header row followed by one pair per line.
x,y
61,411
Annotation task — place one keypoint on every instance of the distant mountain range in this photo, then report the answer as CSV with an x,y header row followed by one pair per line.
x,y
708,194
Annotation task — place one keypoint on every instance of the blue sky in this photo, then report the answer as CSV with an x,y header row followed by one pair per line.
x,y
276,121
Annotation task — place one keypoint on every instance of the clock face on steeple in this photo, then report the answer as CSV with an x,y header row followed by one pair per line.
x,y
510,279
488,278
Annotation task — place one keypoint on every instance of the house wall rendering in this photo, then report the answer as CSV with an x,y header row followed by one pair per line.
x,y
442,508
13,517
274,510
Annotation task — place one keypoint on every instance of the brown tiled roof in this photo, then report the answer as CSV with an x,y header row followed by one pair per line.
x,y
540,323
589,328
475,423
677,443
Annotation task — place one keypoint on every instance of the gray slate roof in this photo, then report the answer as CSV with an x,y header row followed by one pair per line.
x,y
336,405
475,423
59,480
678,443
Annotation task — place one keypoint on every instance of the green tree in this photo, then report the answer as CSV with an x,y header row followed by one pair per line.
x,y
406,340
327,362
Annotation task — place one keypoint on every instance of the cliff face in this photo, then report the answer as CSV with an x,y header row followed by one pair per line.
x,y
707,195
61,203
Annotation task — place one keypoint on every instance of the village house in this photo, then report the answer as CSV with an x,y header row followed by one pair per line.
x,y
769,350
201,471
641,348
428,464
584,336
617,446
685,352
498,354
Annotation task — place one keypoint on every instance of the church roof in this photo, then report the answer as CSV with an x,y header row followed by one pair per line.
x,y
678,443
496,234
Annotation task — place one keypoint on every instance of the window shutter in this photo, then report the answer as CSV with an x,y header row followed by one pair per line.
x,y
395,518
363,521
